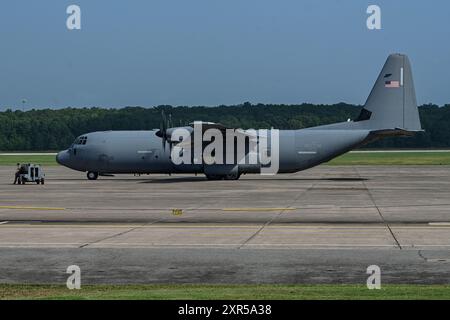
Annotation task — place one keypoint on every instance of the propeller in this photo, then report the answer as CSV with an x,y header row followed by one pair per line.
x,y
162,133
170,123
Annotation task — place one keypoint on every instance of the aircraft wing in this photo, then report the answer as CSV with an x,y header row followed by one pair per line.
x,y
212,125
221,127
209,125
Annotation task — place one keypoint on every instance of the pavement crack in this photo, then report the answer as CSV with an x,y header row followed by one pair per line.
x,y
386,223
419,252
280,213
119,234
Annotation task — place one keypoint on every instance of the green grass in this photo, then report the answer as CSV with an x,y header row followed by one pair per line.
x,y
244,292
47,160
376,158
393,158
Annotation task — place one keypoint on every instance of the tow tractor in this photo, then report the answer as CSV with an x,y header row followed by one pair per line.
x,y
31,173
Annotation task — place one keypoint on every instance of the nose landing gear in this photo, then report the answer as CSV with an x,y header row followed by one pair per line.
x,y
92,175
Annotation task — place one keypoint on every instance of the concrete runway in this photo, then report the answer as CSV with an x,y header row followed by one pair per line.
x,y
324,225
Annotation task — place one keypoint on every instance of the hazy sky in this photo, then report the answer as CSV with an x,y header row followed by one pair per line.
x,y
211,52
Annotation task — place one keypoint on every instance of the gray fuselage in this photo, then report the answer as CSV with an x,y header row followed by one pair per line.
x,y
142,151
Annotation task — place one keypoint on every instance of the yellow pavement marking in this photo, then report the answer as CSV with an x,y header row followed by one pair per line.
x,y
31,208
257,209
161,244
122,226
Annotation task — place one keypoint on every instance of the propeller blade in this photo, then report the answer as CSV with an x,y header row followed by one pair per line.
x,y
164,120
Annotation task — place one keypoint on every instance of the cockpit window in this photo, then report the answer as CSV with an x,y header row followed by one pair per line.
x,y
81,140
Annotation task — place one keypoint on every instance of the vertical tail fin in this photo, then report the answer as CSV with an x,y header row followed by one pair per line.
x,y
392,102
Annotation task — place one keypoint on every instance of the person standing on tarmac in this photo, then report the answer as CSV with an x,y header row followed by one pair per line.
x,y
17,174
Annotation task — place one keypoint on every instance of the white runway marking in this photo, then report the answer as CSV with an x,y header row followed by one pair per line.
x,y
438,260
31,208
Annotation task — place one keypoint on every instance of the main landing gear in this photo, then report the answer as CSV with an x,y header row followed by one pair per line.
x,y
231,176
92,175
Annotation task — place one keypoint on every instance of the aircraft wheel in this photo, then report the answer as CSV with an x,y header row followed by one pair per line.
x,y
38,181
42,181
92,175
232,176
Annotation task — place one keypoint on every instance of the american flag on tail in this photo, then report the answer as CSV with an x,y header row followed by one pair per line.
x,y
392,84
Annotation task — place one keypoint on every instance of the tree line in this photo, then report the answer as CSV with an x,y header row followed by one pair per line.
x,y
56,129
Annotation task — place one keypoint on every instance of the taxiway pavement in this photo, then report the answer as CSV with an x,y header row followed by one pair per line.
x,y
324,225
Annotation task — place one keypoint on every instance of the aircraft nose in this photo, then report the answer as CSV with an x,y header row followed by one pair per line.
x,y
62,157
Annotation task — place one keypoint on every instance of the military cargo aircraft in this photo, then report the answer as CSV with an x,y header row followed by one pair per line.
x,y
390,110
